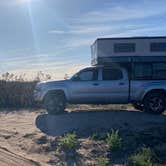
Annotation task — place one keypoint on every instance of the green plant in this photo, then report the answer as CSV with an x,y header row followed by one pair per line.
x,y
114,140
94,136
102,161
143,158
68,141
98,136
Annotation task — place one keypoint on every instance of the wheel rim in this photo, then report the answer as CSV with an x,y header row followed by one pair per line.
x,y
59,105
55,105
156,104
51,105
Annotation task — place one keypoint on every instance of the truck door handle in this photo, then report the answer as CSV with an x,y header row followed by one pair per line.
x,y
95,84
121,83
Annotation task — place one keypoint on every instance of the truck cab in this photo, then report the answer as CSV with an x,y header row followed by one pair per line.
x,y
100,85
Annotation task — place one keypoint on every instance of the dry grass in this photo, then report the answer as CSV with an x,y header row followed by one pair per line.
x,y
17,94
90,107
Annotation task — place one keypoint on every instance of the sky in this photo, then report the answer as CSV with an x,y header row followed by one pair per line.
x,y
54,36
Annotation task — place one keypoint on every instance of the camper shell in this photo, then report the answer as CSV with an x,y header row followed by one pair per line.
x,y
106,51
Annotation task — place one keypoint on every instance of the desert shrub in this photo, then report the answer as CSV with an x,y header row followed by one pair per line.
x,y
17,90
42,140
17,94
98,136
102,161
68,141
95,136
114,140
142,158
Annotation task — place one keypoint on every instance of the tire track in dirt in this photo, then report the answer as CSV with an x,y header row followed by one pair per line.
x,y
7,158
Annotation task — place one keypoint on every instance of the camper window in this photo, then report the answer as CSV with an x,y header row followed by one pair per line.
x,y
158,47
159,70
124,47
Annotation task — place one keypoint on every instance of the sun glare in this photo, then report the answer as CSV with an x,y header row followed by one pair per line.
x,y
25,1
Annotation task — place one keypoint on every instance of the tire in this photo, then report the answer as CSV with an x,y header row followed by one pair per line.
x,y
154,102
55,103
138,106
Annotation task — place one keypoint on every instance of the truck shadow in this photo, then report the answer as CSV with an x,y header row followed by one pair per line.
x,y
85,122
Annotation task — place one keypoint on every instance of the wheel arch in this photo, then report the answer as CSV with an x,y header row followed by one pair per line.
x,y
162,91
56,92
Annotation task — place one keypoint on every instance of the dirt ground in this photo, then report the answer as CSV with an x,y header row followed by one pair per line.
x,y
31,137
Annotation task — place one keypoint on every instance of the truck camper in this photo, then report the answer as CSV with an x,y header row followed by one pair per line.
x,y
124,70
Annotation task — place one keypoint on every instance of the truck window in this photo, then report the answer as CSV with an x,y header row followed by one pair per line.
x,y
112,74
142,71
159,71
86,75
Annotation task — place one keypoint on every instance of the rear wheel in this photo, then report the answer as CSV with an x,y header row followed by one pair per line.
x,y
155,102
55,103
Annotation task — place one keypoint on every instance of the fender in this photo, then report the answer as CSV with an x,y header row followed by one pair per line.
x,y
66,93
152,88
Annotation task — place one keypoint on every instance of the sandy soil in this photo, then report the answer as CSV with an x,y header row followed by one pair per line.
x,y
17,134
29,137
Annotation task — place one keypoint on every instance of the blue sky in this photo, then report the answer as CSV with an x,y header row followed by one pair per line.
x,y
54,36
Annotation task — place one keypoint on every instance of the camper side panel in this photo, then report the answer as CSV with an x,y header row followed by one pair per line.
x,y
127,47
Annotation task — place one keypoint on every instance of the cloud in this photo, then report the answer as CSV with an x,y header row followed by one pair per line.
x,y
146,31
35,62
121,31
79,36
54,31
119,19
23,58
122,13
54,65
84,29
79,42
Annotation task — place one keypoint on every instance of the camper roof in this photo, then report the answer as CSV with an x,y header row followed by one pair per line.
x,y
134,37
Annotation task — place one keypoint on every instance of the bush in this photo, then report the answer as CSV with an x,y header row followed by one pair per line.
x,y
98,136
143,158
68,141
17,90
102,161
17,94
114,140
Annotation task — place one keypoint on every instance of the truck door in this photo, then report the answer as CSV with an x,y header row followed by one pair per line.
x,y
114,85
84,86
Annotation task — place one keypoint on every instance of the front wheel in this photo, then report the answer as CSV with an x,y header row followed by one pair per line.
x,y
155,103
55,103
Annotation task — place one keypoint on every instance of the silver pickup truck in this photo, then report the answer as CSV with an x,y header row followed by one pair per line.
x,y
146,90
